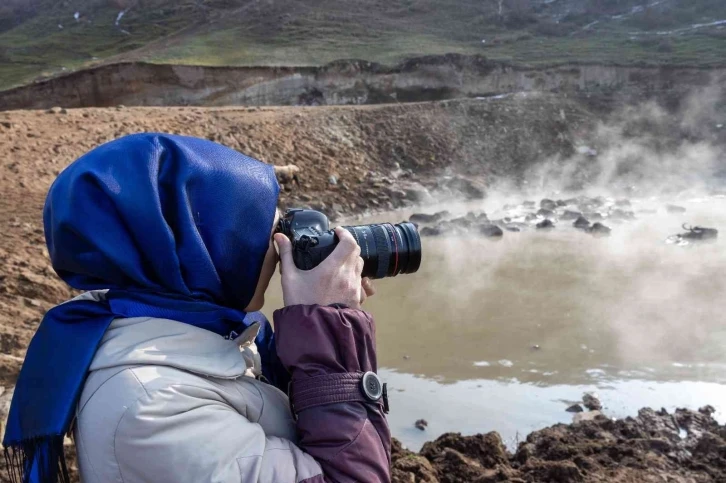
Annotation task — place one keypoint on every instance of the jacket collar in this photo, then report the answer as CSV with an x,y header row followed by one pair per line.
x,y
153,341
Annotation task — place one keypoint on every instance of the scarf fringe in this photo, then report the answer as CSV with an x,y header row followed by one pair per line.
x,y
37,460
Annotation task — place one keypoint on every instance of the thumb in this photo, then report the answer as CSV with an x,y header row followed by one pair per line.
x,y
284,248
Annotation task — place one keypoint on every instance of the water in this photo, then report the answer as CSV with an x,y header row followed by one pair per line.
x,y
504,336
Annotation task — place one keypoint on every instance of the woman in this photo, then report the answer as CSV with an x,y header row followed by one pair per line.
x,y
158,369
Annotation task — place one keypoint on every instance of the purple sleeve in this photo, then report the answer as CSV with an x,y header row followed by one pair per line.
x,y
327,350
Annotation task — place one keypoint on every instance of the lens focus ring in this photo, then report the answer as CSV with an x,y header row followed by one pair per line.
x,y
383,247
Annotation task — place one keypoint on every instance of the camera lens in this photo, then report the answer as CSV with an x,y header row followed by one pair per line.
x,y
387,249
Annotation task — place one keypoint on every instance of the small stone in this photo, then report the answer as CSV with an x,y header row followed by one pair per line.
x,y
332,180
536,347
421,424
545,225
575,408
591,401
6,124
586,416
120,107
491,231
581,223
406,357
598,229
57,110
547,204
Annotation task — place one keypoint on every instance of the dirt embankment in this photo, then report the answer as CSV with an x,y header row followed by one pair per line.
x,y
683,447
347,82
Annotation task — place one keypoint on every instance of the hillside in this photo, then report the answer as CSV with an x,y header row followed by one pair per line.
x,y
41,38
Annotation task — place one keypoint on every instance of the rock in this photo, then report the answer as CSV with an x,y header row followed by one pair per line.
x,y
332,180
491,231
561,203
546,213
570,215
430,231
529,204
598,229
6,124
547,204
417,194
581,223
428,218
287,174
421,424
594,216
471,189
698,233
120,107
486,450
591,401
535,347
545,225
675,209
57,110
622,203
575,408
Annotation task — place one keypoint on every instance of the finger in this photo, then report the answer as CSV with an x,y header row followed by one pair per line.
x,y
284,248
347,247
359,264
368,287
363,296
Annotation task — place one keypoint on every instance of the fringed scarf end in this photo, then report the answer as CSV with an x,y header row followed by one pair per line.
x,y
38,460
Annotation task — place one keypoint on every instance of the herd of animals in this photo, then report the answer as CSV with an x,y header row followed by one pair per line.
x,y
587,214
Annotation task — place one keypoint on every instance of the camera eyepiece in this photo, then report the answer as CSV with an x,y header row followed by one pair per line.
x,y
387,249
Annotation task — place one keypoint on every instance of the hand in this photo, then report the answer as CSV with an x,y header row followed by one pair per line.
x,y
337,280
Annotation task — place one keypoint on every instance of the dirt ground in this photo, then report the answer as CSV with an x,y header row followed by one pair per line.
x,y
683,447
352,160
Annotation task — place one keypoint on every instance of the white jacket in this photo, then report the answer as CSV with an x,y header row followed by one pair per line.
x,y
168,402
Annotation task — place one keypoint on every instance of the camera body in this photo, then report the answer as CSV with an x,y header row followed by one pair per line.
x,y
387,250
311,236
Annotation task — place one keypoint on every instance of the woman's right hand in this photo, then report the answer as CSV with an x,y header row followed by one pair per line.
x,y
337,280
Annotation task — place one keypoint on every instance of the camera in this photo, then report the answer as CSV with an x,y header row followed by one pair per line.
x,y
386,249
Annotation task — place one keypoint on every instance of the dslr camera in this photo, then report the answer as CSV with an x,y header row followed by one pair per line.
x,y
386,249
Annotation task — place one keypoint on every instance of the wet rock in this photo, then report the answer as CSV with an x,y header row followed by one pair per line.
x,y
547,204
491,231
421,424
581,223
428,218
598,230
575,408
699,233
545,225
675,209
591,401
546,213
568,215
430,231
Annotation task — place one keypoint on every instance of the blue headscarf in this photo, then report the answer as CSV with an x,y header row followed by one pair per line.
x,y
176,228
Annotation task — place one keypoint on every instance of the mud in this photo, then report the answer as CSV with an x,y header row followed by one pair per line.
x,y
684,447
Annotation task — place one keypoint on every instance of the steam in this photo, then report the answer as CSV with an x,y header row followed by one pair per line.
x,y
623,303
646,150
